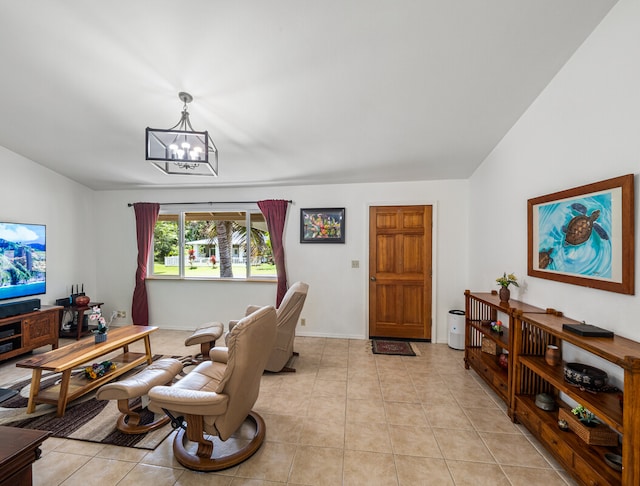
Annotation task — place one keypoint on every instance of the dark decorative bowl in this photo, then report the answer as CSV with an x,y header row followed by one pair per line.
x,y
82,300
613,460
585,376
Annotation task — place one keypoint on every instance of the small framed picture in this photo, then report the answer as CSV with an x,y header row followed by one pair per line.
x,y
322,225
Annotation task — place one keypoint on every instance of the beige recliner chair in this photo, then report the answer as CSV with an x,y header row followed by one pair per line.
x,y
288,314
216,397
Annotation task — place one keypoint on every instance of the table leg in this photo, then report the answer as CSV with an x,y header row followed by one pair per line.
x,y
147,349
64,392
33,392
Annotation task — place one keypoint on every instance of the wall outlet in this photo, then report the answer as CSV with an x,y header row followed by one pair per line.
x,y
121,314
303,322
355,263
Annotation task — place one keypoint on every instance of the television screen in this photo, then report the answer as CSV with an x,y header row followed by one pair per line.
x,y
22,260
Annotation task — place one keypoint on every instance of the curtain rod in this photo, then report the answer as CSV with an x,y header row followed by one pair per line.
x,y
208,202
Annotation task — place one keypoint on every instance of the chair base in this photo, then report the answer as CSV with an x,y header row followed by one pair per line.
x,y
129,423
212,463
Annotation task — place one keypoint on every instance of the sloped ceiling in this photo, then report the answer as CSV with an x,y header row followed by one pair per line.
x,y
292,91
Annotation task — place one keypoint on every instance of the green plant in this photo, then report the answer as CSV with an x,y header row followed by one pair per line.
x,y
583,414
507,280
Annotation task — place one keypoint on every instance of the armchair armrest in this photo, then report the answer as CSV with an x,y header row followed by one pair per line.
x,y
185,401
219,354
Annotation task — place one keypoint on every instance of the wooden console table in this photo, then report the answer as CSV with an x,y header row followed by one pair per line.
x,y
19,448
64,360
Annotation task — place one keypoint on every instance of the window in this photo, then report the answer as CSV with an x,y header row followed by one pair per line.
x,y
212,244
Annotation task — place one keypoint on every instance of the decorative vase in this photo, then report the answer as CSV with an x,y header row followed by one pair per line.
x,y
505,294
100,338
82,301
552,355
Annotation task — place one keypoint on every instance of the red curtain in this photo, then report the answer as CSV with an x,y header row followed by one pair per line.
x,y
275,212
146,217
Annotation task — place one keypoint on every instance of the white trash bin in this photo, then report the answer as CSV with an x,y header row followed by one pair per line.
x,y
456,329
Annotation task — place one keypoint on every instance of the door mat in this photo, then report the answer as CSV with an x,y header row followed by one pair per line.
x,y
85,418
401,348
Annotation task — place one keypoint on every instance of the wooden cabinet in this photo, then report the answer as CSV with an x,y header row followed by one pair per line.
x,y
483,347
25,332
532,375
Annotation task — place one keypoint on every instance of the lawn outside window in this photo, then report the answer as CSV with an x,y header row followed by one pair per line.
x,y
212,243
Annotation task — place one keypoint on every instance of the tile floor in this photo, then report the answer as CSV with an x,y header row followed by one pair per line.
x,y
346,417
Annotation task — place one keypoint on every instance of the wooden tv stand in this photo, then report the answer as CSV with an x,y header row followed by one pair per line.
x,y
26,332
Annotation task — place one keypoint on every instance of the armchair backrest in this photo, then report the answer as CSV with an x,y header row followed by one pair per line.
x,y
249,343
287,317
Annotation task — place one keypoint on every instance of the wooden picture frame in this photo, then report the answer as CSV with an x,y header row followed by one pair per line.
x,y
322,225
585,235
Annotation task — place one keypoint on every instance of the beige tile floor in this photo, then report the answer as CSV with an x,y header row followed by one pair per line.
x,y
346,417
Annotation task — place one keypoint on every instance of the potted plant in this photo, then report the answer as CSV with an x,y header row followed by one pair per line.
x,y
585,416
504,283
101,331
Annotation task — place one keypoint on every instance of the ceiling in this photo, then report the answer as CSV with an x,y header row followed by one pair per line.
x,y
291,91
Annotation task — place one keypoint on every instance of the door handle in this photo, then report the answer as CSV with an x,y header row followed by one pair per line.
x,y
373,279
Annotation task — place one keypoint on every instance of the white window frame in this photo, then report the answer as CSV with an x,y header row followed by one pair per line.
x,y
180,211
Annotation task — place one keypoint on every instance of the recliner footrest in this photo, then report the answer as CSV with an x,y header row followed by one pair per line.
x,y
206,336
161,372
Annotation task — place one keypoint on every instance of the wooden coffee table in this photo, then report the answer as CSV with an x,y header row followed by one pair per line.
x,y
83,352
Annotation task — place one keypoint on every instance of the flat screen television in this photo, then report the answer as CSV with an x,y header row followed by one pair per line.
x,y
23,260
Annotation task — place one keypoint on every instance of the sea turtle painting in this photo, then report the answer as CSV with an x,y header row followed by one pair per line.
x,y
580,227
544,258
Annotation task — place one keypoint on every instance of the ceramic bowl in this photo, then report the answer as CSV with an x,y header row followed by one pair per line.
x,y
545,401
585,376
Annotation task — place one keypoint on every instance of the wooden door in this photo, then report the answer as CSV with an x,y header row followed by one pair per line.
x,y
400,264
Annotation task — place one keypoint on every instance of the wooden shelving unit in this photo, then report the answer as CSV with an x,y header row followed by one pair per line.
x,y
532,375
481,308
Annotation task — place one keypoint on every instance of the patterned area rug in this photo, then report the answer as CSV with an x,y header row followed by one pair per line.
x,y
382,346
85,419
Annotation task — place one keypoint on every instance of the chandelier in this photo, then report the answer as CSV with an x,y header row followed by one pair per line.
x,y
180,149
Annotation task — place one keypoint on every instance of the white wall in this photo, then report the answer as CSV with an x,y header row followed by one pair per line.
x,y
583,128
337,305
30,193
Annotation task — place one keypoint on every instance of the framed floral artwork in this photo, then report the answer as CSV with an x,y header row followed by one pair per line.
x,y
584,235
322,225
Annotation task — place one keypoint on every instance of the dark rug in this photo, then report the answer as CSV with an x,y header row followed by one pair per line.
x,y
382,346
6,393
85,418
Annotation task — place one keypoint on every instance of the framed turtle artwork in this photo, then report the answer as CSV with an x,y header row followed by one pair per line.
x,y
585,235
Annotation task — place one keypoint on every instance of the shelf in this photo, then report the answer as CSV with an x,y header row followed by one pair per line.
x,y
619,350
562,441
501,339
490,361
79,385
606,406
